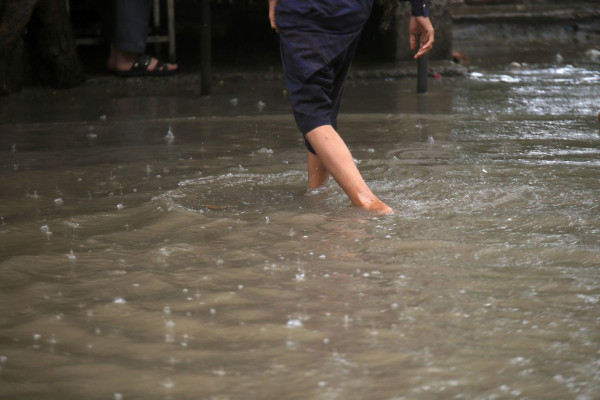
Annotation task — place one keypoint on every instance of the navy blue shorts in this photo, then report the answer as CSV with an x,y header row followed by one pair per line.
x,y
318,40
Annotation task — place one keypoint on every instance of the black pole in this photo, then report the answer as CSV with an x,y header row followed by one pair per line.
x,y
422,67
205,49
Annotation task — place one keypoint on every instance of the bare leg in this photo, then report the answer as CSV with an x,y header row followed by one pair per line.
x,y
318,175
335,156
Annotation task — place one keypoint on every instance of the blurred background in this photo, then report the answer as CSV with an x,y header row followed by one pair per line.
x,y
480,29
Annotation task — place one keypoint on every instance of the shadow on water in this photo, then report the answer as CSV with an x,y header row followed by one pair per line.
x,y
141,264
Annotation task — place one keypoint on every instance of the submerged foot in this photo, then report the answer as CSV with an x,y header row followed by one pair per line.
x,y
377,206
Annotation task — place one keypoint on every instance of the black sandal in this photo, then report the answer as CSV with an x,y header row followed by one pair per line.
x,y
140,68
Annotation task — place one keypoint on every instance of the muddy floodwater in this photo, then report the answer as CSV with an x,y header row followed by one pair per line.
x,y
163,245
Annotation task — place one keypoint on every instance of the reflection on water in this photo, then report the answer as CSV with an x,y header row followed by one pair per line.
x,y
548,91
199,268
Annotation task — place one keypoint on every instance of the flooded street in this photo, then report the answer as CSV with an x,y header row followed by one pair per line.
x,y
163,246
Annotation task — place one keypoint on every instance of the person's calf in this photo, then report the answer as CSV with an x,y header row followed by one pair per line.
x,y
318,175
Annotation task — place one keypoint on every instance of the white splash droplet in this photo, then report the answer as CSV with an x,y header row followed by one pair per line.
x,y
294,323
169,137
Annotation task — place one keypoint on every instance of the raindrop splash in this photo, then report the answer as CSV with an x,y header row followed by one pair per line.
x,y
169,137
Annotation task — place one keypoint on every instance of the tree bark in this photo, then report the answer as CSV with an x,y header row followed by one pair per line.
x,y
37,45
14,17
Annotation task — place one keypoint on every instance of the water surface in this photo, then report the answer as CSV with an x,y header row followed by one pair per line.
x,y
137,264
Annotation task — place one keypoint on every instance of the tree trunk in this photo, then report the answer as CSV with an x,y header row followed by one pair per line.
x,y
14,17
37,45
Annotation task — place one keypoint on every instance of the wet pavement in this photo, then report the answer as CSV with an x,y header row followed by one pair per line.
x,y
156,244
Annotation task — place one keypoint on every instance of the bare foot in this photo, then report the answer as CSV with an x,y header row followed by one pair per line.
x,y
378,207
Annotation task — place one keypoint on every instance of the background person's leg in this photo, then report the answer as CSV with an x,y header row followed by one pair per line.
x,y
129,36
132,18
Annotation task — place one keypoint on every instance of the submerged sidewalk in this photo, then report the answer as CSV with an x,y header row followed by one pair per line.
x,y
255,91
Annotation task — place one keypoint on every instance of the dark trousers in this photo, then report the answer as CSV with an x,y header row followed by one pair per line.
x,y
316,99
128,25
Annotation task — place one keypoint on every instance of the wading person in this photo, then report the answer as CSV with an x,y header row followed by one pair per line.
x,y
318,39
